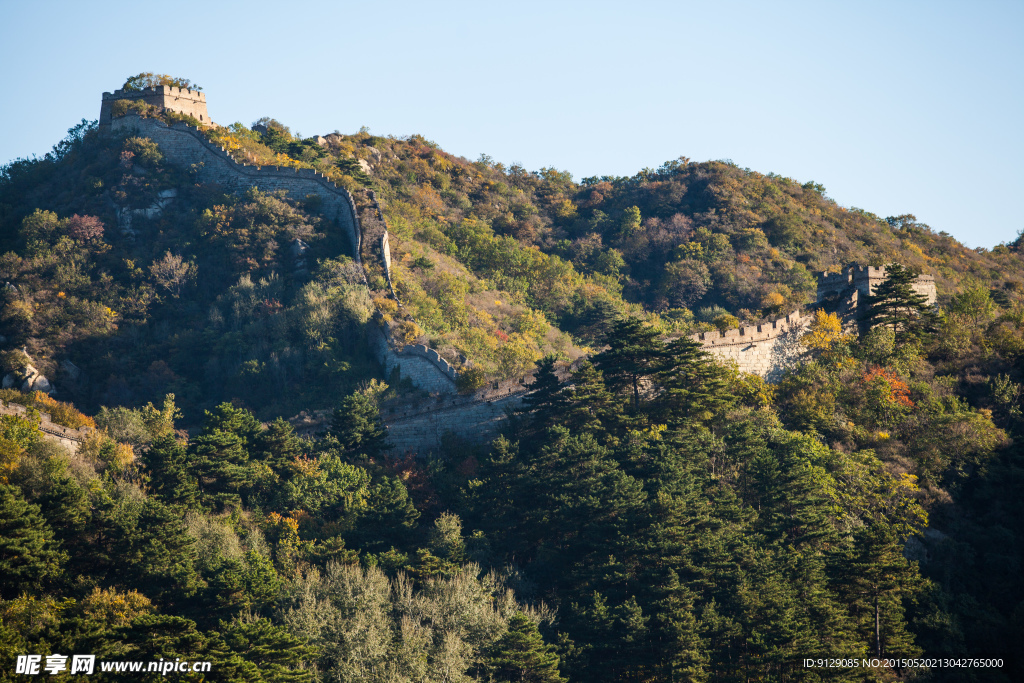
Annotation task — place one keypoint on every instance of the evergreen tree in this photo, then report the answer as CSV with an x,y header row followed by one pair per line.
x,y
155,555
682,653
782,478
278,446
389,517
254,649
544,402
874,577
238,421
62,500
616,639
65,507
170,476
28,553
633,357
895,304
588,406
358,427
221,461
521,656
694,386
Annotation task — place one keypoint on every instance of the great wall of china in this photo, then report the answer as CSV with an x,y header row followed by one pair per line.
x,y
766,349
65,436
410,427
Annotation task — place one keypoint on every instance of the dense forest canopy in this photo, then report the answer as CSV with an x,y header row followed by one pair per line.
x,y
652,516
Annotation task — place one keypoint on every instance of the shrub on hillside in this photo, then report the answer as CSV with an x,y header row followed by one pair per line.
x,y
85,228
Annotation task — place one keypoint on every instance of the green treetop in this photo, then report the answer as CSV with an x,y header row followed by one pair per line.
x,y
895,304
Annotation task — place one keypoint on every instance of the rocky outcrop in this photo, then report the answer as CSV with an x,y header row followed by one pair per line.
x,y
27,378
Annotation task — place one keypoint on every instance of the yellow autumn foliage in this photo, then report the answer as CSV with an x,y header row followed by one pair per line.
x,y
826,331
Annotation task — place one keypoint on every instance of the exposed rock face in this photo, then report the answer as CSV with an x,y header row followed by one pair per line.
x,y
298,251
31,380
72,370
40,383
367,169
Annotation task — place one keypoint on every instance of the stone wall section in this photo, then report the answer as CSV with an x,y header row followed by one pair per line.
x,y
765,350
421,426
186,146
67,437
181,100
864,279
472,419
423,366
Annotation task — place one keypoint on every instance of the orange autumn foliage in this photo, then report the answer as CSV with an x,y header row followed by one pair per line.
x,y
897,388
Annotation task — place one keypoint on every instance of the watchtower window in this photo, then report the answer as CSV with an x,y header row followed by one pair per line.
x,y
200,117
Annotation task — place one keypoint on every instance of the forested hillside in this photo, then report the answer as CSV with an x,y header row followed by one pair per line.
x,y
654,516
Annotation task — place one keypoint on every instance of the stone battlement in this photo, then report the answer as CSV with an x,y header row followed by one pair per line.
x,y
765,350
436,375
181,100
864,279
752,333
68,437
433,356
423,366
168,90
770,348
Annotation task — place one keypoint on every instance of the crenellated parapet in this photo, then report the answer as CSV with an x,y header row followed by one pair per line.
x,y
164,90
421,365
65,435
752,333
433,356
865,279
164,97
767,349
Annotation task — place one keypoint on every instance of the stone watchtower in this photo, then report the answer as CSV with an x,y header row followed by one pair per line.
x,y
846,290
181,100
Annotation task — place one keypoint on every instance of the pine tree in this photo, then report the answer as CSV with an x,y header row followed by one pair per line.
x,y
155,555
220,460
634,356
170,476
28,553
682,654
65,507
694,386
389,517
521,656
257,650
278,446
358,427
874,576
545,401
588,405
895,304
238,421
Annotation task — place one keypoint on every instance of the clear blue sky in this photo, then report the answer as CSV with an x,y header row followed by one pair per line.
x,y
896,107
